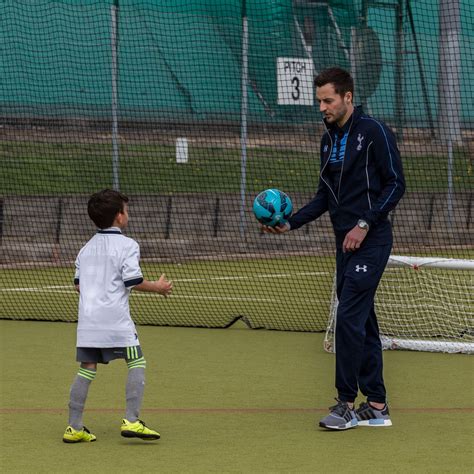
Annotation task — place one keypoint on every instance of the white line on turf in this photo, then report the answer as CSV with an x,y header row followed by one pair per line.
x,y
56,288
212,298
252,277
173,296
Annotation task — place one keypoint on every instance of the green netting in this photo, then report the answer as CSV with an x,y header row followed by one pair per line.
x,y
73,122
186,56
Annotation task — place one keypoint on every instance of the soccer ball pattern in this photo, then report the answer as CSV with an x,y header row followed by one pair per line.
x,y
272,207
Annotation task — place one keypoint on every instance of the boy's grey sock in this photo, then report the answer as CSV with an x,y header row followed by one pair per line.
x,y
78,395
134,392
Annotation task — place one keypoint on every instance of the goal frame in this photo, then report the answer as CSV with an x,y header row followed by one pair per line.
x,y
393,342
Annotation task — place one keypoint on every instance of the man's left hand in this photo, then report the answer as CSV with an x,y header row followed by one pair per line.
x,y
353,239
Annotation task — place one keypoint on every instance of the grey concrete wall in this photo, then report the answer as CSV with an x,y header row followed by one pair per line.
x,y
53,229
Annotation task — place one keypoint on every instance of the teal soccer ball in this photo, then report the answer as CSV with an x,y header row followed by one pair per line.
x,y
272,207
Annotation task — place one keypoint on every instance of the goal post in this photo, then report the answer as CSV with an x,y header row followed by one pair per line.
x,y
423,304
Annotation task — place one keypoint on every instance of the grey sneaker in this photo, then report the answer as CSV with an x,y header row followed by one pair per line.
x,y
369,416
340,417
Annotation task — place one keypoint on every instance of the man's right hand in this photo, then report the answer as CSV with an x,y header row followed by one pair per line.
x,y
279,229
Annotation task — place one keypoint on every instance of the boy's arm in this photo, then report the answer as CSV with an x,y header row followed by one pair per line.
x,y
161,286
132,274
76,274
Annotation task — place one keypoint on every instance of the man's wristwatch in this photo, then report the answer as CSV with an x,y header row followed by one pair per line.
x,y
363,224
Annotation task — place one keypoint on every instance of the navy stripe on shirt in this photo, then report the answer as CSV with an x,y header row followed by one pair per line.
x,y
133,282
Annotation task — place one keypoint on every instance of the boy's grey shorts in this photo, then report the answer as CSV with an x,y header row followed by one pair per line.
x,y
105,355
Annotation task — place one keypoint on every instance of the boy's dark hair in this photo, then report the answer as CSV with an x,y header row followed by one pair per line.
x,y
104,206
337,76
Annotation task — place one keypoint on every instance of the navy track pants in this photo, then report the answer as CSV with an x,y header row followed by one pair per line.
x,y
359,363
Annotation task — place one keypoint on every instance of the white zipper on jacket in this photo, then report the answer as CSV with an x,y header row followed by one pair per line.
x,y
327,161
367,174
343,158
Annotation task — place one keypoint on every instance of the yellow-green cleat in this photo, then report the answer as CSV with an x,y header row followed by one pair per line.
x,y
137,429
82,436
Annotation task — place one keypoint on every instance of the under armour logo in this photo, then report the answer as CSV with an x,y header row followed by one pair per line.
x,y
358,268
360,139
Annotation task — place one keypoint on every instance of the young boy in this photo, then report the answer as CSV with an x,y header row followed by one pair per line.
x,y
107,268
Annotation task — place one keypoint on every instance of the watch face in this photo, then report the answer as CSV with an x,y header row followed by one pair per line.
x,y
362,224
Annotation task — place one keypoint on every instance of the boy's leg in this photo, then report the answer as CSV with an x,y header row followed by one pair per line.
x,y
135,387
134,392
78,393
76,432
132,426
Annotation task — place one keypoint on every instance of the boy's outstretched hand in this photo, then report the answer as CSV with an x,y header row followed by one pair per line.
x,y
161,286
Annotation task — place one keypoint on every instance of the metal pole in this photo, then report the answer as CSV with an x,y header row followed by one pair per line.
x,y
450,184
424,88
114,9
352,57
1,220
244,113
340,38
306,42
399,102
449,71
449,87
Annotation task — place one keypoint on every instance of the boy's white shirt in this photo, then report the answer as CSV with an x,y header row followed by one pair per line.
x,y
104,266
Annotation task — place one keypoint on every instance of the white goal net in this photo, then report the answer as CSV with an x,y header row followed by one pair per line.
x,y
422,303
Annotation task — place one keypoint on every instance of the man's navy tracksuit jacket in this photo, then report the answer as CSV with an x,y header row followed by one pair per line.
x,y
361,178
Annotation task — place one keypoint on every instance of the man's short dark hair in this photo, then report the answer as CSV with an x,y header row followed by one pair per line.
x,y
104,206
340,78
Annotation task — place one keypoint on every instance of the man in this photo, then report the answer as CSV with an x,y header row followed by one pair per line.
x,y
361,181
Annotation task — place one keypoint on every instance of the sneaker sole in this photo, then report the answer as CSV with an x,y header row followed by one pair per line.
x,y
70,441
347,426
375,423
132,434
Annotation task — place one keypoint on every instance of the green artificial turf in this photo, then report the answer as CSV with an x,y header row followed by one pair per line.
x,y
228,401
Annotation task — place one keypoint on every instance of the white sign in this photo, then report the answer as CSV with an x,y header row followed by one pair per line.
x,y
181,150
295,81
